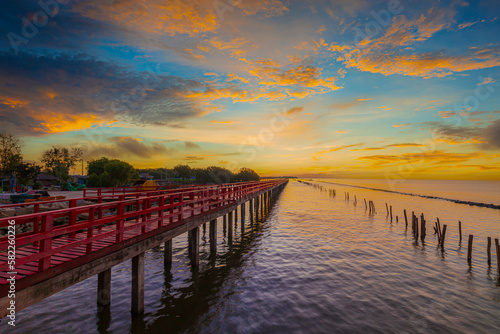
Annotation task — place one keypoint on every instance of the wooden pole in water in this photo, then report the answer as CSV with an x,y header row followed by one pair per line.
x,y
498,254
387,208
423,228
443,236
460,231
416,228
391,213
488,251
469,249
365,204
406,218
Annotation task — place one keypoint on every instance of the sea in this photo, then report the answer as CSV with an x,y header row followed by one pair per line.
x,y
314,263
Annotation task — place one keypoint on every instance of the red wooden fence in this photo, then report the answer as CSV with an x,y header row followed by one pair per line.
x,y
105,224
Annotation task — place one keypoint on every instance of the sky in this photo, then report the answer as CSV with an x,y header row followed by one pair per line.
x,y
333,88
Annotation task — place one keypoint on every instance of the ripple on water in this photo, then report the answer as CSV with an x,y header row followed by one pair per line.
x,y
317,264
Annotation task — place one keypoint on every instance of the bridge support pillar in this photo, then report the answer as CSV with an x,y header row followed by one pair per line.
x,y
167,254
256,199
242,206
236,215
230,227
250,208
104,287
213,237
138,284
194,245
224,224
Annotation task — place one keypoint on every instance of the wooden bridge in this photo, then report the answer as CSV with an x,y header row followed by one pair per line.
x,y
65,246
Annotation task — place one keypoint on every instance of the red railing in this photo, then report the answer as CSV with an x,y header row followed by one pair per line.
x,y
122,190
83,229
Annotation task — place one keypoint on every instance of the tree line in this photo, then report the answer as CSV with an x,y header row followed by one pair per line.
x,y
102,172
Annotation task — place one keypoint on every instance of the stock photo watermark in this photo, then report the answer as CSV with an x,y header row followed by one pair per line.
x,y
40,19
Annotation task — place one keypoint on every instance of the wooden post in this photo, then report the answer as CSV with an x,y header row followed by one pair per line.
x,y
391,213
230,227
460,231
213,236
104,287
224,223
167,254
423,229
194,244
366,206
242,206
236,215
469,249
416,228
138,284
406,218
498,254
250,208
488,251
387,209
443,236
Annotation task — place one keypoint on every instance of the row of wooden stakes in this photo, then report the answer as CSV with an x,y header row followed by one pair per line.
x,y
419,228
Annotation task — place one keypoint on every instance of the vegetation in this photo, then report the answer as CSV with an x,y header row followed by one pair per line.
x,y
104,172
59,160
10,154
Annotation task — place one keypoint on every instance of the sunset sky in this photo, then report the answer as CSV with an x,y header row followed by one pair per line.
x,y
347,88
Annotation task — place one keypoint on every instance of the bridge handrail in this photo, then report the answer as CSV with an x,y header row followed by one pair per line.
x,y
147,210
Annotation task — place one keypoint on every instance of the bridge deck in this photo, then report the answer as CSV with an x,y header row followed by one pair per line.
x,y
49,250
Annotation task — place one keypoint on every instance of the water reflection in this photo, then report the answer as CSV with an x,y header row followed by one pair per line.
x,y
183,306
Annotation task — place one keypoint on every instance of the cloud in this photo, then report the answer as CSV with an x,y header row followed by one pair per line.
x,y
363,99
174,17
271,73
401,125
368,149
294,110
342,131
486,81
74,92
127,147
432,157
193,158
234,47
387,54
492,135
317,155
453,133
224,122
188,145
447,114
406,145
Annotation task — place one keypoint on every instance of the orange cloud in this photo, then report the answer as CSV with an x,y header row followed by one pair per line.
x,y
223,122
401,125
294,110
334,149
384,55
433,157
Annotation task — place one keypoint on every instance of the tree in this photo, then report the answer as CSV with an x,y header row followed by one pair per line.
x,y
59,160
27,172
97,166
246,174
10,153
106,172
184,171
119,172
